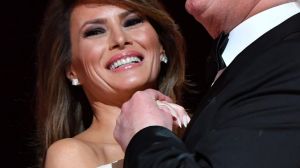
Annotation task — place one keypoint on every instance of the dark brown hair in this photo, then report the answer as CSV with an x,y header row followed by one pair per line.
x,y
61,108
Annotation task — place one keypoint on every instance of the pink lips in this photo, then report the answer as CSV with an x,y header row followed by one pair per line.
x,y
124,55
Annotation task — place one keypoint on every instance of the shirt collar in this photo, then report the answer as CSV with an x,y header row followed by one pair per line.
x,y
254,27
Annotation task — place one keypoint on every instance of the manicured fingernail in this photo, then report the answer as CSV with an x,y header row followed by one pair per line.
x,y
179,123
186,120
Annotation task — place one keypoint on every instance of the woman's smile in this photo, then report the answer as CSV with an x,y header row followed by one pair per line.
x,y
125,60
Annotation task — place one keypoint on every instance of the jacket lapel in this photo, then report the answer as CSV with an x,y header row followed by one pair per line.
x,y
283,31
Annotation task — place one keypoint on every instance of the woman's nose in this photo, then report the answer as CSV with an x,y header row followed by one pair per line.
x,y
119,39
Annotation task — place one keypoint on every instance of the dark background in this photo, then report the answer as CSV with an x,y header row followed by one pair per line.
x,y
20,22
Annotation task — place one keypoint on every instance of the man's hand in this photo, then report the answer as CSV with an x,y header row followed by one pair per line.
x,y
143,110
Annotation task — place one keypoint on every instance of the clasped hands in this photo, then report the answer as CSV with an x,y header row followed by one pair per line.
x,y
147,108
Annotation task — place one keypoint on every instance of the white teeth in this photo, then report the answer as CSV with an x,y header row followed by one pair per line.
x,y
124,61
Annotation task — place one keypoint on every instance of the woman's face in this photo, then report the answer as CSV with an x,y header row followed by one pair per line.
x,y
114,50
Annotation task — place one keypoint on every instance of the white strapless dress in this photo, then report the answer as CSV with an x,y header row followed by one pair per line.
x,y
115,164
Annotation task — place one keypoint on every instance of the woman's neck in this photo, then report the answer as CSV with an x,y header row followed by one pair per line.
x,y
99,136
104,121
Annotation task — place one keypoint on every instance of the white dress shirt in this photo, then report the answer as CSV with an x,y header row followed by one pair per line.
x,y
251,29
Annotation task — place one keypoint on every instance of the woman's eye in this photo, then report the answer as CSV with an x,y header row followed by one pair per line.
x,y
133,21
94,32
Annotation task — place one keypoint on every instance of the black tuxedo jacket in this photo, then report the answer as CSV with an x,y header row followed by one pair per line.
x,y
250,118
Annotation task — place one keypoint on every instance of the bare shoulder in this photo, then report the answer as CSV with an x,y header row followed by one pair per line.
x,y
70,152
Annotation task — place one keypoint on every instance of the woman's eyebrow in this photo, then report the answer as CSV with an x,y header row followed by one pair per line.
x,y
104,20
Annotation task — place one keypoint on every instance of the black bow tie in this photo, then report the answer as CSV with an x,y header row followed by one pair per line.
x,y
215,61
221,43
